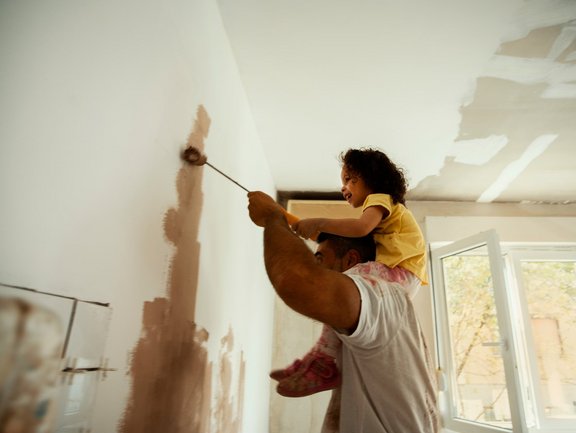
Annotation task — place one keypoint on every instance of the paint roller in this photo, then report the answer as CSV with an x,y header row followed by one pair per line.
x,y
194,156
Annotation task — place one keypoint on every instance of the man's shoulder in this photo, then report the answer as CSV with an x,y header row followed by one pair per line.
x,y
379,278
369,274
371,269
365,268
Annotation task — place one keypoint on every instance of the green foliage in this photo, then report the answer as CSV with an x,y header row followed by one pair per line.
x,y
472,316
550,292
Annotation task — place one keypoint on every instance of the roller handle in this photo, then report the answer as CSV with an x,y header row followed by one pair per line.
x,y
293,219
290,218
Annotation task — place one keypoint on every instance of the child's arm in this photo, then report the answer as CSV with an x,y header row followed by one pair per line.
x,y
349,227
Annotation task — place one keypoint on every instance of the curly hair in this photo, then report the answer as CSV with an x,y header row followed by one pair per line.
x,y
379,173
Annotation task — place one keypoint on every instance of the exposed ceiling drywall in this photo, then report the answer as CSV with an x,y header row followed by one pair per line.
x,y
475,99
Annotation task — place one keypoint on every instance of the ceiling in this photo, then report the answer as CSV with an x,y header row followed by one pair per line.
x,y
475,99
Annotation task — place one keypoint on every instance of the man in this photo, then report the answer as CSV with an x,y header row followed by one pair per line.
x,y
387,374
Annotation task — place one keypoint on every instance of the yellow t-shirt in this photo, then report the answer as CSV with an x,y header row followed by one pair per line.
x,y
399,240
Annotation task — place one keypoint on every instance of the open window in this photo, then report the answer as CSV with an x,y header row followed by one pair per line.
x,y
506,333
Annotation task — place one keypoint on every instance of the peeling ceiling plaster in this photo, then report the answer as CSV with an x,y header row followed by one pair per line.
x,y
477,100
514,101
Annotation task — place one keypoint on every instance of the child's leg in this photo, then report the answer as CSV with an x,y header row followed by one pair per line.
x,y
317,371
327,344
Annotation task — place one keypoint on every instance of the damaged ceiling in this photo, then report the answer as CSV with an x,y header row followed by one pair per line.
x,y
476,100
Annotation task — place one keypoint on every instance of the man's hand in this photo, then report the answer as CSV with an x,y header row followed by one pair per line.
x,y
261,207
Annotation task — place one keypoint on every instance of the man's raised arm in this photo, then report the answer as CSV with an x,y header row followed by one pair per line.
x,y
304,285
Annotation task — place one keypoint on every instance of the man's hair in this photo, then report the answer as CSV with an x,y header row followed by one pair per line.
x,y
341,245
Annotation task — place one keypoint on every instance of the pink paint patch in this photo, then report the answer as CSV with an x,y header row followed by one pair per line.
x,y
376,272
382,272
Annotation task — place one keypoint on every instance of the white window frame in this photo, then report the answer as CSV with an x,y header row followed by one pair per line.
x,y
518,369
451,421
515,257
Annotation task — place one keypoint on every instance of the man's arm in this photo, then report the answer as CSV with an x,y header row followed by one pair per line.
x,y
304,285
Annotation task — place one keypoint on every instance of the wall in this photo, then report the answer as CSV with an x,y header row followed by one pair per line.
x,y
97,99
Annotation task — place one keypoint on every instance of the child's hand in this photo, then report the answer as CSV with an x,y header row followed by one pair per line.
x,y
308,227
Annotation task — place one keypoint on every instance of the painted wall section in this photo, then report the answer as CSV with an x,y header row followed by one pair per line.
x,y
97,100
169,365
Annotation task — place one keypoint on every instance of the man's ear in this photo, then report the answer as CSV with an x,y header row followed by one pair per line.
x,y
351,258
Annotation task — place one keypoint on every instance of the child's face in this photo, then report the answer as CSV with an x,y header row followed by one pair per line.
x,y
354,189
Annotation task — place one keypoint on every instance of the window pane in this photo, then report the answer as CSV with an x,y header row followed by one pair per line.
x,y
480,394
551,296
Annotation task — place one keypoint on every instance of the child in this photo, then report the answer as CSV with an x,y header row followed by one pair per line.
x,y
371,181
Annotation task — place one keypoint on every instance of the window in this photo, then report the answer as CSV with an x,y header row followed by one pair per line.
x,y
506,327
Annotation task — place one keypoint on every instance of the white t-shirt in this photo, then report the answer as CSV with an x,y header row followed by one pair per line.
x,y
388,380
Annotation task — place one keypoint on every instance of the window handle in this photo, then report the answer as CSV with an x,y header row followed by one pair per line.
x,y
503,344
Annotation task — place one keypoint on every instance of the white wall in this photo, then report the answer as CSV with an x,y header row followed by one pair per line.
x,y
97,98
